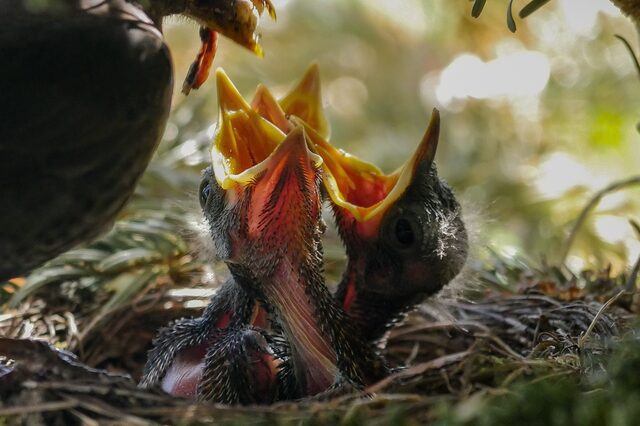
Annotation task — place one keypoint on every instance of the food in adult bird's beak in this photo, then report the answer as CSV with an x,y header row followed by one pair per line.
x,y
199,69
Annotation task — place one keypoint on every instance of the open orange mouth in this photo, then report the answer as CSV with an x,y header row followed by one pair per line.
x,y
245,144
248,133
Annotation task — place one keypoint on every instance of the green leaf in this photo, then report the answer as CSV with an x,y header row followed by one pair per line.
x,y
636,227
43,277
125,287
478,5
510,22
80,257
531,7
143,227
161,238
127,259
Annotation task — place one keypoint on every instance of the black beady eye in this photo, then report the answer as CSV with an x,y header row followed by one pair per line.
x,y
403,231
205,191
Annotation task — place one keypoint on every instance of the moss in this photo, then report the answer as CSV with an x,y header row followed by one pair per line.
x,y
608,396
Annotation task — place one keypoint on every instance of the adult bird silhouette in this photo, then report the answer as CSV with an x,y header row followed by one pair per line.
x,y
86,91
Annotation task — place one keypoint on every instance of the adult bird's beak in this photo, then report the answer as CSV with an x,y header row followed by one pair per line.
x,y
236,20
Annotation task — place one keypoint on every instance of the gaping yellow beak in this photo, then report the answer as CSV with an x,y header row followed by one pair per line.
x,y
303,101
356,186
244,143
360,187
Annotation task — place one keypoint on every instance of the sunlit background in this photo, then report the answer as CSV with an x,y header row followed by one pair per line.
x,y
533,123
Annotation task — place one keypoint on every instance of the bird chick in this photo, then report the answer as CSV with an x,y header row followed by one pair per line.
x,y
266,226
403,232
226,355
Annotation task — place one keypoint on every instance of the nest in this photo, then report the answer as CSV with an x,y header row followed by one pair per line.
x,y
449,351
95,310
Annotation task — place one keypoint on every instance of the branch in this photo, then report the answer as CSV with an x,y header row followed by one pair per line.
x,y
588,208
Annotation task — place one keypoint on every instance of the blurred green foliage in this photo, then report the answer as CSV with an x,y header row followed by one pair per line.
x,y
524,156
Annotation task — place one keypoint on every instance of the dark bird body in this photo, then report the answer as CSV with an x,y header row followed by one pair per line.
x,y
85,98
86,90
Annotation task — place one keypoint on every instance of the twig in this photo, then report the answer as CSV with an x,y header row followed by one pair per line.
x,y
608,303
631,52
37,408
593,202
630,286
86,420
434,364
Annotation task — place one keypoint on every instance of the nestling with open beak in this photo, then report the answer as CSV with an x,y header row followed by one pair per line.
x,y
403,232
266,225
193,357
